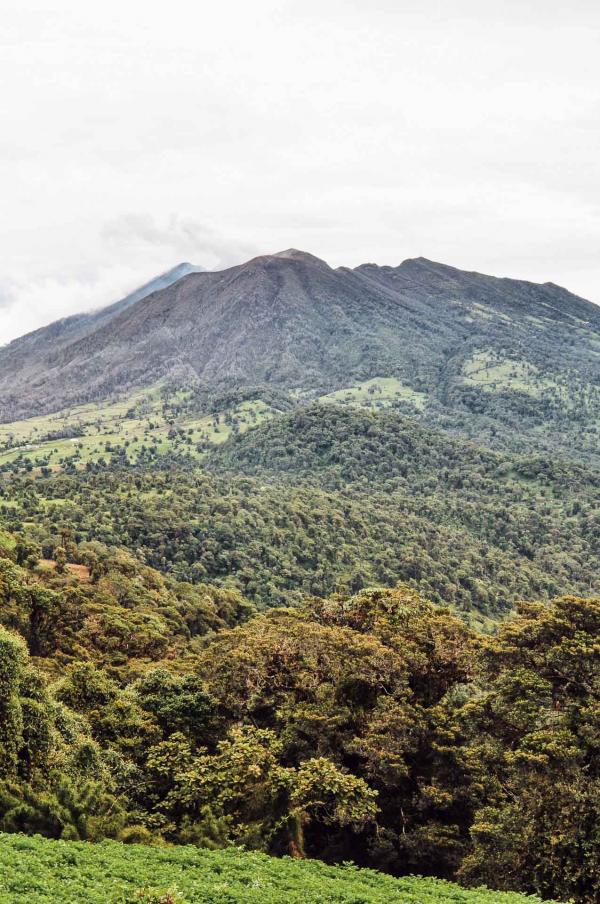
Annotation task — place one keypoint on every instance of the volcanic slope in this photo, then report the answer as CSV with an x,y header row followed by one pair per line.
x,y
512,363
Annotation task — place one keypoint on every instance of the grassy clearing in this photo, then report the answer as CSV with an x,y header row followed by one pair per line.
x,y
486,312
39,871
494,374
380,392
140,422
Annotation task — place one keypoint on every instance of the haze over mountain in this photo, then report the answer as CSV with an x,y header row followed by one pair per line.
x,y
471,352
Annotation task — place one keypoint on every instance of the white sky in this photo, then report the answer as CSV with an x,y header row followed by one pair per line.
x,y
134,135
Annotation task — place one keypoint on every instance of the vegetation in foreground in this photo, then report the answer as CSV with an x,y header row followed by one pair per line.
x,y
373,727
38,871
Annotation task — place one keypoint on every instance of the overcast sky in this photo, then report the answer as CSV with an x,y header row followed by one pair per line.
x,y
135,135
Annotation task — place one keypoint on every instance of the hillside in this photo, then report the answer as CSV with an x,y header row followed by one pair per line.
x,y
34,870
374,727
327,498
472,353
334,446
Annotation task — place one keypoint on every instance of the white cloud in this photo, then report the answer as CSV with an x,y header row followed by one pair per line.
x,y
138,235
27,304
135,135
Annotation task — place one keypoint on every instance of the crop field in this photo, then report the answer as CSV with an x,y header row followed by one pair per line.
x,y
34,870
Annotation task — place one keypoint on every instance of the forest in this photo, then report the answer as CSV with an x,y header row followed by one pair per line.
x,y
335,633
375,726
326,499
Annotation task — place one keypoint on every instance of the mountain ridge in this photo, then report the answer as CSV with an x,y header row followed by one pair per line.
x,y
481,350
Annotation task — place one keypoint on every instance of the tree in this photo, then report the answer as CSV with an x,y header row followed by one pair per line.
x,y
534,750
13,658
60,557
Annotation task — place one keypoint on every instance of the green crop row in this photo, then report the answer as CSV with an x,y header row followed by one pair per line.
x,y
34,870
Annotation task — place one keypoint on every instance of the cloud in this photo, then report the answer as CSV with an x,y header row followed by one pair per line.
x,y
183,238
28,303
133,249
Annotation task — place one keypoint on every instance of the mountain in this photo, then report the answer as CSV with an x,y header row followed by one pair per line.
x,y
30,354
469,352
163,281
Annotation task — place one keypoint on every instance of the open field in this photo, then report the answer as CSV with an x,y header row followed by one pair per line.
x,y
495,374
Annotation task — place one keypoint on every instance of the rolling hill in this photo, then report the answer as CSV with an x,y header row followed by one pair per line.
x,y
326,497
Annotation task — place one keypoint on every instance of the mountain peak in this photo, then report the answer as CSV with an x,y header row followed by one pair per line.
x,y
294,254
176,272
184,266
424,262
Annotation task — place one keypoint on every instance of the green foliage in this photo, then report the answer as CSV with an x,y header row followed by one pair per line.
x,y
158,896
53,779
112,610
357,681
244,789
12,663
374,727
37,871
535,742
329,499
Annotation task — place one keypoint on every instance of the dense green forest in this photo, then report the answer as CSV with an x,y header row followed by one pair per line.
x,y
373,727
325,499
